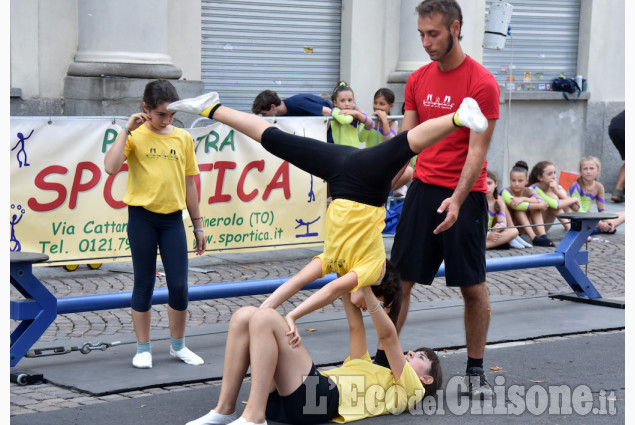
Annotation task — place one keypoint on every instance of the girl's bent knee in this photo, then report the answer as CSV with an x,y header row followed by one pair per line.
x,y
244,314
265,318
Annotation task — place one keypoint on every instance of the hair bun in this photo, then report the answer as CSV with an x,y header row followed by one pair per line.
x,y
522,164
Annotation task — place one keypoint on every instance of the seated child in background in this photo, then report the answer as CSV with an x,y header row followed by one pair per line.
x,y
543,179
501,235
385,129
587,189
347,117
525,205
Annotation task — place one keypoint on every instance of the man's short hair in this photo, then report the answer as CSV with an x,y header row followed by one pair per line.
x,y
449,9
264,100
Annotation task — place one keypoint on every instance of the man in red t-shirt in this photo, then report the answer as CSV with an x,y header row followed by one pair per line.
x,y
444,216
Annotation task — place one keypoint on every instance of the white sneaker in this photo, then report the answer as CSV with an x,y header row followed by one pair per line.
x,y
470,115
195,105
142,360
243,421
214,418
187,356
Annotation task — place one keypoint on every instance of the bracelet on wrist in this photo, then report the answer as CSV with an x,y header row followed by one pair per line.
x,y
195,218
126,130
198,230
376,308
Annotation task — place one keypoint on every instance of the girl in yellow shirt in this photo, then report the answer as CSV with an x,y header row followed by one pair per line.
x,y
161,170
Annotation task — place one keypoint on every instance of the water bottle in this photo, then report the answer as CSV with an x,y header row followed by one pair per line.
x,y
578,80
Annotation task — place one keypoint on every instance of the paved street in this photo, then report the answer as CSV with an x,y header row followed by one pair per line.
x,y
605,270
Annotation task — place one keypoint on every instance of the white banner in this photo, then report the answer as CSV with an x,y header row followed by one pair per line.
x,y
63,203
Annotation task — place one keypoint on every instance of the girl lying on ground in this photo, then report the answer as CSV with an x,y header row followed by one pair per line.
x,y
286,387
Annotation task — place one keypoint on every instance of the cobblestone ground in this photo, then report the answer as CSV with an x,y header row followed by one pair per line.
x,y
605,270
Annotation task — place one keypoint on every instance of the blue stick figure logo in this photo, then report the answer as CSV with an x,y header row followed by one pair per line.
x,y
306,224
311,193
22,151
15,243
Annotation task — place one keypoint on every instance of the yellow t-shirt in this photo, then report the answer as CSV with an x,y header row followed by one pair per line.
x,y
353,241
157,166
367,389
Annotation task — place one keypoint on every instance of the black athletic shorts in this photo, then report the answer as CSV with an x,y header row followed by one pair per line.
x,y
296,408
418,253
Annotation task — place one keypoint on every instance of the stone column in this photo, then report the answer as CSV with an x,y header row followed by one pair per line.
x,y
122,45
411,53
122,38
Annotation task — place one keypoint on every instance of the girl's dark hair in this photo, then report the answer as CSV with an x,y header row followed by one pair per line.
x,y
341,86
390,290
158,92
388,94
520,167
492,176
538,169
435,371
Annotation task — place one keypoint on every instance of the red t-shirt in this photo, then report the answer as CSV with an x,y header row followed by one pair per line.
x,y
433,93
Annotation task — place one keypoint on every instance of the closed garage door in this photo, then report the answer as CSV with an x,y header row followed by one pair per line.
x,y
290,46
544,41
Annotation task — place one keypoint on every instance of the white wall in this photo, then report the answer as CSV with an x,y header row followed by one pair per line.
x,y
368,50
184,36
44,38
43,42
606,59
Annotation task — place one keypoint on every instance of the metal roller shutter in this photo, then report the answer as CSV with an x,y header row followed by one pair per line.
x,y
544,40
290,46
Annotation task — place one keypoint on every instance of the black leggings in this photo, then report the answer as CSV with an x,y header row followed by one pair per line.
x,y
148,230
360,175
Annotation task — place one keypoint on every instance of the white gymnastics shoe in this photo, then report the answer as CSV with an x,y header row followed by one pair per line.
x,y
142,360
243,421
469,115
187,356
196,105
214,418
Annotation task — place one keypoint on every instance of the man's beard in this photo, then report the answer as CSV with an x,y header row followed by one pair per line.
x,y
450,44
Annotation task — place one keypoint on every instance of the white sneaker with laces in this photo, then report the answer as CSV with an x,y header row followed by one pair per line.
x,y
187,356
470,115
214,418
142,360
195,105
